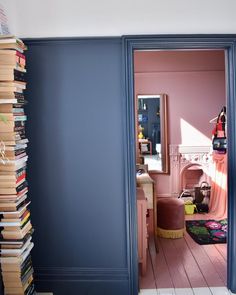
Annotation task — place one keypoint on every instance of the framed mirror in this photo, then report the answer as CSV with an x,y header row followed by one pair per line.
x,y
152,132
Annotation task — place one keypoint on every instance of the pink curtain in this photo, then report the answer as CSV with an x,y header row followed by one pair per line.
x,y
218,199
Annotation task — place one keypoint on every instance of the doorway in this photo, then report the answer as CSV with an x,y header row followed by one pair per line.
x,y
194,86
179,43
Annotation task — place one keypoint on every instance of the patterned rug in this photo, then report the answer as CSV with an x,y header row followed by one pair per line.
x,y
207,231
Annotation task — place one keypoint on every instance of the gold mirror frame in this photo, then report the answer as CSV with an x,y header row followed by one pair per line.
x,y
164,132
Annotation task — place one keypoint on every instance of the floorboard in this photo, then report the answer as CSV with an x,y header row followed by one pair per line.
x,y
205,265
222,249
218,261
176,268
148,281
160,267
193,272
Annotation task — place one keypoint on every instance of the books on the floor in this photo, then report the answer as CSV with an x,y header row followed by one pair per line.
x,y
19,267
5,117
16,233
11,222
8,100
15,74
15,219
12,182
12,136
12,86
11,95
12,43
15,244
9,188
16,251
11,126
7,205
17,260
13,165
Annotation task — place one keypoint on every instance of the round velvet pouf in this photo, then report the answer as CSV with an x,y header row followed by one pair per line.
x,y
170,218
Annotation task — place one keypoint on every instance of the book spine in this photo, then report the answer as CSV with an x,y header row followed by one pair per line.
x,y
15,219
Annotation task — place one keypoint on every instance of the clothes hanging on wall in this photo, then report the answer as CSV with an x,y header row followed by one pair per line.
x,y
218,199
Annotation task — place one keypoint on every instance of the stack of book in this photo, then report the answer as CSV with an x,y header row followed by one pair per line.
x,y
15,225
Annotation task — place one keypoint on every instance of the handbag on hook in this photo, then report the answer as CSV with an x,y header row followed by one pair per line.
x,y
219,142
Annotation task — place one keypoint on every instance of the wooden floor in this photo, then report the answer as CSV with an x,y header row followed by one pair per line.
x,y
184,267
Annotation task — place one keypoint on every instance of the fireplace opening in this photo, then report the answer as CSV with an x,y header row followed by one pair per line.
x,y
193,176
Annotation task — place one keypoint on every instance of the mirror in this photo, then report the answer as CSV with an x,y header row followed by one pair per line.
x,y
151,131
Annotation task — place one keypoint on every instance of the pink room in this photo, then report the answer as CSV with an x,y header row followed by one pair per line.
x,y
181,175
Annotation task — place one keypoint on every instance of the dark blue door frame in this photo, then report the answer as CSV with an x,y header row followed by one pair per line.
x,y
172,42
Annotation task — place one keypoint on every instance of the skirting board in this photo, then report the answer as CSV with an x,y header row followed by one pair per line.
x,y
83,281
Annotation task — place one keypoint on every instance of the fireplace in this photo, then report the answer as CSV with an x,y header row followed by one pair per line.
x,y
190,165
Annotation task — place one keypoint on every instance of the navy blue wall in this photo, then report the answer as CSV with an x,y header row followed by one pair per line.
x,y
76,166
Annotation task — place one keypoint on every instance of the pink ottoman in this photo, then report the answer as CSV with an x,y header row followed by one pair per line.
x,y
170,218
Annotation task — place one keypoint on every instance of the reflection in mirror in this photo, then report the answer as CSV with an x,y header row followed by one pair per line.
x,y
152,146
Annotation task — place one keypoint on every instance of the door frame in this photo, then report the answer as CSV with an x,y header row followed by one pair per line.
x,y
174,42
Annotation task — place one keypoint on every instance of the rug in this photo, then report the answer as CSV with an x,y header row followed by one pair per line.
x,y
207,231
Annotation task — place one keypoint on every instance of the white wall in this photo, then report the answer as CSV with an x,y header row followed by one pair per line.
x,y
51,18
10,11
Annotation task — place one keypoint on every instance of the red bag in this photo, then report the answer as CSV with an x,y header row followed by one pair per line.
x,y
219,140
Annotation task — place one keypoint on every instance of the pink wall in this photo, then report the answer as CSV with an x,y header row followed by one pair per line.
x,y
170,61
195,84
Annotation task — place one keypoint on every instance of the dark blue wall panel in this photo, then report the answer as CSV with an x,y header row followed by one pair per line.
x,y
76,167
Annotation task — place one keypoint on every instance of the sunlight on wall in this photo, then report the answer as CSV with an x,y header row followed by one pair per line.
x,y
219,197
192,136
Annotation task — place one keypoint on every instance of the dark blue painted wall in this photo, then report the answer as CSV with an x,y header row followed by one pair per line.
x,y
76,166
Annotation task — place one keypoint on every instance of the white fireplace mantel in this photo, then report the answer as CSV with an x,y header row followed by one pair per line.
x,y
181,158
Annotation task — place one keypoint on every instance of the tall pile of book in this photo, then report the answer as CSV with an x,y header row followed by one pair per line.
x,y
15,226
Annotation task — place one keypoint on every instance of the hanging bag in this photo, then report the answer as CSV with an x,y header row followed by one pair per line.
x,y
219,142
